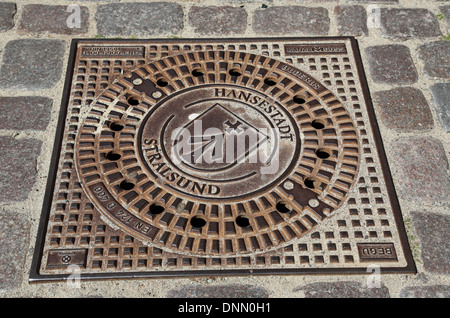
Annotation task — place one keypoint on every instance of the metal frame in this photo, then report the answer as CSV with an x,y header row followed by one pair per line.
x,y
36,277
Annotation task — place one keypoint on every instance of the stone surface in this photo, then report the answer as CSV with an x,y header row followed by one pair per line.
x,y
433,232
25,113
420,170
404,109
139,19
7,12
342,290
374,1
14,236
223,291
218,20
437,291
18,168
289,1
32,64
434,56
391,64
291,20
37,18
408,23
446,12
441,98
351,20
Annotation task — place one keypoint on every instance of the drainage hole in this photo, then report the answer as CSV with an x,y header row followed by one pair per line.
x,y
283,207
235,72
198,222
113,156
299,99
318,124
270,81
126,185
197,72
162,82
311,183
133,101
116,126
323,153
156,209
242,221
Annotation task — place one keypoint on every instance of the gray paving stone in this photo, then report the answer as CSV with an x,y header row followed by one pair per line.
x,y
432,231
404,109
446,11
219,21
139,19
342,290
32,64
291,20
37,18
25,112
18,168
14,237
351,20
441,97
391,64
7,12
435,291
290,1
409,23
224,291
434,56
374,1
420,170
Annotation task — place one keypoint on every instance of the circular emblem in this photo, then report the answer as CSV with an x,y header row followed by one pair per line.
x,y
219,142
66,259
217,153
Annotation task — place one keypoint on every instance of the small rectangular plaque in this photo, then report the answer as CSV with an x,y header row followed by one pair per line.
x,y
376,252
302,49
113,51
66,257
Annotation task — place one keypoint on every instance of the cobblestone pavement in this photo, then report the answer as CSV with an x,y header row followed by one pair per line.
x,y
406,57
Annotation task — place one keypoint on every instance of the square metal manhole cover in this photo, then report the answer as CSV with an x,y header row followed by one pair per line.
x,y
218,157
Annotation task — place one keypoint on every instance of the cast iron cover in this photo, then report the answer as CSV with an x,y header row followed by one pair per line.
x,y
218,157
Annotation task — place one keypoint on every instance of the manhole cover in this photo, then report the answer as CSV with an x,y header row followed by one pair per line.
x,y
204,157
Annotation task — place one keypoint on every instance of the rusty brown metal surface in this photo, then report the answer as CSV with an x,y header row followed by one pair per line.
x,y
125,201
